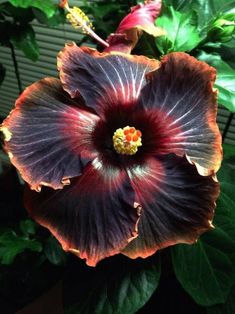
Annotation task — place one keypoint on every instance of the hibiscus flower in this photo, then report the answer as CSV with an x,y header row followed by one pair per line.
x,y
121,151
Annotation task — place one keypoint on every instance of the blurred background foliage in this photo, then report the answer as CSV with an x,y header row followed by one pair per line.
x,y
200,276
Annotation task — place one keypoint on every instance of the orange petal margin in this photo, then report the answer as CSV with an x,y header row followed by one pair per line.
x,y
182,89
177,205
94,217
38,135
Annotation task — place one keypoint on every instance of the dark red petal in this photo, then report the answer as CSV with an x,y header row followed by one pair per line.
x,y
102,78
94,217
48,135
177,204
181,91
142,18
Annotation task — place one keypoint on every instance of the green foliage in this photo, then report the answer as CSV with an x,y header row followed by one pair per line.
x,y
11,245
57,18
48,7
24,39
206,269
54,252
28,227
122,290
225,81
194,26
227,308
223,27
226,205
181,31
15,28
20,15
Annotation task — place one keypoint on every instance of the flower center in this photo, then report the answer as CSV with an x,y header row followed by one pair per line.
x,y
127,140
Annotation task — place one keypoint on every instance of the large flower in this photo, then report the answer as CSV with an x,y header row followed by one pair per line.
x,y
124,150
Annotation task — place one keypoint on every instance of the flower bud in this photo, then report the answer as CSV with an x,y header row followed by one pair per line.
x,y
223,28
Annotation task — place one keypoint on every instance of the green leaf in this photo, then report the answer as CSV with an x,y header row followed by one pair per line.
x,y
56,19
101,10
210,9
179,5
227,205
54,252
11,245
227,308
229,151
206,11
225,81
222,28
24,39
2,73
181,29
121,289
28,227
21,15
225,50
206,269
47,6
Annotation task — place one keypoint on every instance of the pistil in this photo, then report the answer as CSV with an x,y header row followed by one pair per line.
x,y
127,140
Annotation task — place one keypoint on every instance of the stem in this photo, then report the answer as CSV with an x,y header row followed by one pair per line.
x,y
16,68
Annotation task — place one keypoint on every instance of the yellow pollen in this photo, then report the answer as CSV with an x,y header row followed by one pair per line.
x,y
79,19
127,140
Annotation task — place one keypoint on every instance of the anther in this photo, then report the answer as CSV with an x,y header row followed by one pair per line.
x,y
79,19
127,140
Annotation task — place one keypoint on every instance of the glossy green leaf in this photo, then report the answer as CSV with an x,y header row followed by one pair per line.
x,y
222,28
11,245
181,29
121,289
205,10
210,9
225,81
226,205
226,308
47,6
179,5
56,19
225,50
54,252
24,39
2,73
229,152
206,269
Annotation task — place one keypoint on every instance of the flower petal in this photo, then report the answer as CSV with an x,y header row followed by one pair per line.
x,y
94,217
177,204
181,90
48,135
142,18
102,78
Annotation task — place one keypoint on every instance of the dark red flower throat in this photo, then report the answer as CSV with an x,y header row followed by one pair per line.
x,y
155,139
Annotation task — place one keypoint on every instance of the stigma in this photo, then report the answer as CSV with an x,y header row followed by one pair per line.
x,y
79,19
127,140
